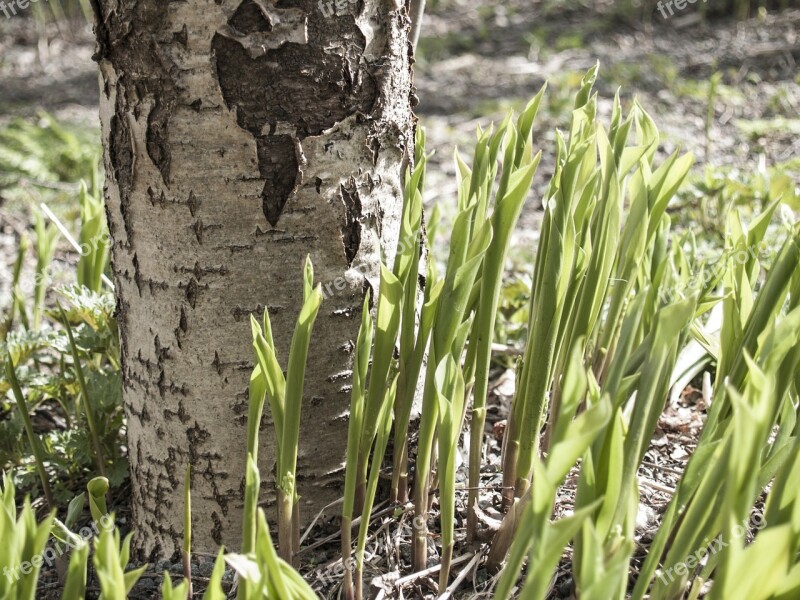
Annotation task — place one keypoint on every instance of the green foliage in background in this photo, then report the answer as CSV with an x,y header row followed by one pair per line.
x,y
48,154
66,360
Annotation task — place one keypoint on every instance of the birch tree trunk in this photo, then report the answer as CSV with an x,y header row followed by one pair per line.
x,y
240,136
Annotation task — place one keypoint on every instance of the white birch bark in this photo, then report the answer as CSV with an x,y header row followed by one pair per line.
x,y
240,136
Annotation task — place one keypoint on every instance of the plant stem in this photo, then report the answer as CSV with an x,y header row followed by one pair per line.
x,y
422,480
347,541
36,443
295,527
510,454
417,12
444,572
285,526
98,449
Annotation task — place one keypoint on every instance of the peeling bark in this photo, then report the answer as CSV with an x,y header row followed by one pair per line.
x,y
240,136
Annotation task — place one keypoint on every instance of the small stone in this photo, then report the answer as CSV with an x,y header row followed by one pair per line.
x,y
565,588
146,584
645,518
205,569
499,430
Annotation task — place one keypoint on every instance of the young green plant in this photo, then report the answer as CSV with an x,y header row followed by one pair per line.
x,y
472,234
358,398
413,337
518,170
285,396
33,439
88,409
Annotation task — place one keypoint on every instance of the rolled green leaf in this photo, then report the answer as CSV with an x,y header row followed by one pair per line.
x,y
98,488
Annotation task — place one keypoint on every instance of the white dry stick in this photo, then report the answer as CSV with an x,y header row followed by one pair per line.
x,y
429,571
461,577
318,517
73,242
708,391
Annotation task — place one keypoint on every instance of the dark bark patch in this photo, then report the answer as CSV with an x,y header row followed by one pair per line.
x,y
278,165
217,363
250,18
199,271
192,291
351,229
182,414
121,153
158,148
238,248
200,229
216,530
162,352
127,40
182,36
308,87
193,203
197,436
181,329
137,275
112,225
162,386
242,313
121,313
375,147
155,198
